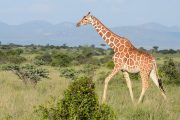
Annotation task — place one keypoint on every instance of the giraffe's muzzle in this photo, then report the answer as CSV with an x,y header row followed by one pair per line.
x,y
78,24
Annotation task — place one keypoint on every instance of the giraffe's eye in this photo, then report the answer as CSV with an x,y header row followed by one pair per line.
x,y
85,19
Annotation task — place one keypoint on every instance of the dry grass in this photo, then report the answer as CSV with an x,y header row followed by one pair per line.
x,y
17,101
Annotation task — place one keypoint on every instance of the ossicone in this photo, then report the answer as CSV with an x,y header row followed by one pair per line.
x,y
88,13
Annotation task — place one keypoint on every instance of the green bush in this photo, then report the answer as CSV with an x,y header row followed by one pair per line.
x,y
61,60
85,55
15,59
39,62
19,51
79,103
46,58
11,56
169,72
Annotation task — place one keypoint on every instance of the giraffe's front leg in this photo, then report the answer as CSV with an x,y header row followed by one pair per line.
x,y
129,84
114,72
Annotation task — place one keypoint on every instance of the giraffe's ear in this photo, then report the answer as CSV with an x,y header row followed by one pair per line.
x,y
88,13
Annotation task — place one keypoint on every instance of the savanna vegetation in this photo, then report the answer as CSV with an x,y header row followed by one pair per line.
x,y
61,82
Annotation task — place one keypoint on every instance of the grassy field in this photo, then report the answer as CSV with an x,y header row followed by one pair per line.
x,y
17,101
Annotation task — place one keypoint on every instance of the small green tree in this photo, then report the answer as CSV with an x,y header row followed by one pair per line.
x,y
142,49
19,51
27,73
155,49
79,103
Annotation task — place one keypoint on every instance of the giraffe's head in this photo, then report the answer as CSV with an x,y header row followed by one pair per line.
x,y
85,20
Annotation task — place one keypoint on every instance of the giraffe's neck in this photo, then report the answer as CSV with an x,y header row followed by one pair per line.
x,y
113,40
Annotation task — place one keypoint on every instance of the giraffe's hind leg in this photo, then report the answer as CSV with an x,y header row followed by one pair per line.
x,y
158,82
145,83
129,84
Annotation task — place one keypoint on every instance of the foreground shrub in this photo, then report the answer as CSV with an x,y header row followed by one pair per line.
x,y
79,103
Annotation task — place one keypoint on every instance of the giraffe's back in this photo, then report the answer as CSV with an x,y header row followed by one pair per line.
x,y
134,60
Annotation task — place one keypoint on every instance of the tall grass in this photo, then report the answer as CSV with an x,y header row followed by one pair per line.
x,y
17,101
153,107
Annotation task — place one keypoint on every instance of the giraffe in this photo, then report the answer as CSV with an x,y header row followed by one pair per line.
x,y
127,59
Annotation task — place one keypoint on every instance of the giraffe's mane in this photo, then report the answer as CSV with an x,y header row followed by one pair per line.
x,y
107,28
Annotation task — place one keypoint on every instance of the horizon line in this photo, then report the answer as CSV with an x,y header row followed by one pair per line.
x,y
39,20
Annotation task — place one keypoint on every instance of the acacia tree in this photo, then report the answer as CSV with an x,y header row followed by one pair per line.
x,y
27,73
155,48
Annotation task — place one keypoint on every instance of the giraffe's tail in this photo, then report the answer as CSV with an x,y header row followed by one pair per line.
x,y
160,85
154,76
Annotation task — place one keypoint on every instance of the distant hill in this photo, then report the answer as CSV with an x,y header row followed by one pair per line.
x,y
42,32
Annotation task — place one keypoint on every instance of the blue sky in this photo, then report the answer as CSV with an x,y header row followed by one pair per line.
x,y
110,12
